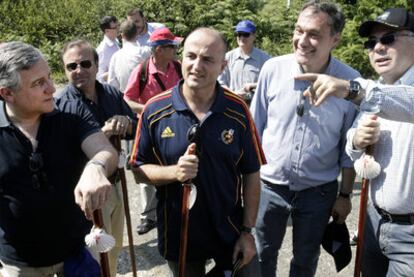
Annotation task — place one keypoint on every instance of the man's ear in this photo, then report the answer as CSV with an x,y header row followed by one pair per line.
x,y
336,39
223,65
6,94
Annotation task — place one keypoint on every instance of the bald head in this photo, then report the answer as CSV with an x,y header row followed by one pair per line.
x,y
209,36
203,59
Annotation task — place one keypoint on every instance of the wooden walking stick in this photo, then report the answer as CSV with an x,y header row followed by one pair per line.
x,y
101,241
116,141
188,201
367,168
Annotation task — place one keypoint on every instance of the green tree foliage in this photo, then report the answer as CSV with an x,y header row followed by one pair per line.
x,y
48,24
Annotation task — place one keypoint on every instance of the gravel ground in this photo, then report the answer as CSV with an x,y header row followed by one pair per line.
x,y
151,264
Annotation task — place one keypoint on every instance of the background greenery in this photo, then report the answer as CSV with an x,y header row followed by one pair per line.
x,y
48,24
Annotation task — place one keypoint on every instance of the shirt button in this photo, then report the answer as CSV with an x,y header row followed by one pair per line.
x,y
294,167
296,147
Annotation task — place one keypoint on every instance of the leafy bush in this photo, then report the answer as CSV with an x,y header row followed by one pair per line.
x,y
48,24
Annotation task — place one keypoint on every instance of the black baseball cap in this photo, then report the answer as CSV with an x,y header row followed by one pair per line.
x,y
336,242
394,18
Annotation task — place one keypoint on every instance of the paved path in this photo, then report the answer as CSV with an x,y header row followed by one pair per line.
x,y
151,264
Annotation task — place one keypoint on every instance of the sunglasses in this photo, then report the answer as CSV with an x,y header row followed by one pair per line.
x,y
387,39
171,46
242,34
36,168
74,66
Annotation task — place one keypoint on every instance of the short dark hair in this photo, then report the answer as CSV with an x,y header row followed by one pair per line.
x,y
105,22
80,43
128,30
336,17
136,11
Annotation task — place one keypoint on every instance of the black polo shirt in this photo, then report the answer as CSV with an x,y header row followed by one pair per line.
x,y
228,147
40,224
110,103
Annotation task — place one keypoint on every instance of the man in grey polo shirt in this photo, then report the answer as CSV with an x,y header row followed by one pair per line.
x,y
304,145
244,62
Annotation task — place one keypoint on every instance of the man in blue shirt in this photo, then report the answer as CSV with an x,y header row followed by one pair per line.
x,y
244,62
225,169
304,145
112,114
386,120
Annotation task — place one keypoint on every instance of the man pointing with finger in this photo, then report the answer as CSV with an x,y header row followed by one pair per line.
x,y
304,145
225,169
390,213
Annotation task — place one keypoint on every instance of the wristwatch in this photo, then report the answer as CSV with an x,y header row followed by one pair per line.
x,y
354,89
245,229
345,195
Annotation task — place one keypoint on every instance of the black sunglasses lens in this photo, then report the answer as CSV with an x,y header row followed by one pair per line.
x,y
35,162
385,40
86,64
192,133
71,66
388,39
241,34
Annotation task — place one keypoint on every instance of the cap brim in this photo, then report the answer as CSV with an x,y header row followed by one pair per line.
x,y
366,28
176,41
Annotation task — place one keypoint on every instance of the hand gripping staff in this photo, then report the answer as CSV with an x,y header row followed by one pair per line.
x,y
367,168
189,197
116,142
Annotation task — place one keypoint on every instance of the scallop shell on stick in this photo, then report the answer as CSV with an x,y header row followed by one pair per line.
x,y
366,167
99,240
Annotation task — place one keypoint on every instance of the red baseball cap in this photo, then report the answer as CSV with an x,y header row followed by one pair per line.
x,y
163,36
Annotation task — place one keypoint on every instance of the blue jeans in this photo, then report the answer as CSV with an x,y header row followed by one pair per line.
x,y
388,247
310,210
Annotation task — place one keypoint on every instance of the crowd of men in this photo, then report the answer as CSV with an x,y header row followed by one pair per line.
x,y
260,139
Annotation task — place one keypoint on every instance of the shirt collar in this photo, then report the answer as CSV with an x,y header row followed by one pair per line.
x,y
109,42
219,104
252,55
4,119
406,79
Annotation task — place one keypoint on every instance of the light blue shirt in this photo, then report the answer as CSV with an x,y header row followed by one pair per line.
x,y
393,189
143,40
242,69
301,151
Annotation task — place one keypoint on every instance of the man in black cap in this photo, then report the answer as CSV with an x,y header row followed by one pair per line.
x,y
387,103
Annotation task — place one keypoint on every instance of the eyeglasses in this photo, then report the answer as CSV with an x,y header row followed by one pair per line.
x,y
74,66
387,39
36,168
193,135
171,46
242,34
300,108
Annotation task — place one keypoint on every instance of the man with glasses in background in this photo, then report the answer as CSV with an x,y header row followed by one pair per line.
x,y
244,62
108,46
43,152
158,73
112,114
387,105
304,145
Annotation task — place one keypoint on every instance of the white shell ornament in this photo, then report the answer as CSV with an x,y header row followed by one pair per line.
x,y
100,240
366,167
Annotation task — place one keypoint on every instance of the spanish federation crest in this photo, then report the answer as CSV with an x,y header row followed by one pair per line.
x,y
227,136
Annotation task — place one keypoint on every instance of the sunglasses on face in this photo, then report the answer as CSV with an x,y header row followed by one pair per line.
x,y
74,66
171,46
242,34
387,39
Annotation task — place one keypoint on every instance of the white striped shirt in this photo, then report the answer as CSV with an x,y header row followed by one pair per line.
x,y
393,189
